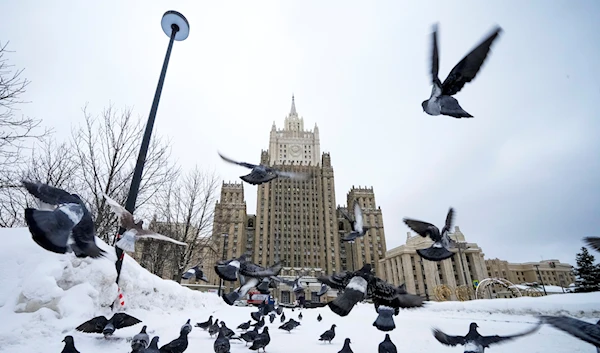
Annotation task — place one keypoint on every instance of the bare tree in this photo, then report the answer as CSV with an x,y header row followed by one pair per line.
x,y
184,211
14,130
107,148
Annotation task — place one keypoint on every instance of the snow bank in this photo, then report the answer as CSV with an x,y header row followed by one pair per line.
x,y
42,292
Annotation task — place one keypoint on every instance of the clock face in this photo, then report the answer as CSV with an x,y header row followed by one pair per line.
x,y
295,150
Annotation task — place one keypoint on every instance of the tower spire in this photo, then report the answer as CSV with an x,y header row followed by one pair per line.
x,y
293,110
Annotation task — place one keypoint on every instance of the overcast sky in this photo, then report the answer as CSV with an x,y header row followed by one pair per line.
x,y
523,175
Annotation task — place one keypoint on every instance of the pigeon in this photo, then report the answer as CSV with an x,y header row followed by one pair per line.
x,y
196,272
354,291
328,335
261,341
323,290
260,323
63,223
206,324
585,331
271,318
346,348
282,317
279,310
245,326
140,341
227,331
180,344
107,327
222,344
476,343
256,315
290,325
593,242
231,297
153,346
442,242
358,227
300,316
250,336
387,346
261,174
388,300
69,345
134,231
319,318
214,328
441,101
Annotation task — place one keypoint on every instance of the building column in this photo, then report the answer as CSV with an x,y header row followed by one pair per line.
x,y
408,275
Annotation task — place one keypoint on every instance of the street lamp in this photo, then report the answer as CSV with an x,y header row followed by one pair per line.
x,y
224,257
176,26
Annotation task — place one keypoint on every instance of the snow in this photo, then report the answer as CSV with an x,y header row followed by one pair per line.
x,y
44,296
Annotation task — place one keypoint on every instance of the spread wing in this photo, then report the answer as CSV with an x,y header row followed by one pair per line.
x,y
466,69
593,242
125,216
243,164
95,325
162,237
336,281
435,60
578,328
345,215
487,340
49,194
447,339
358,217
424,229
292,175
449,221
121,320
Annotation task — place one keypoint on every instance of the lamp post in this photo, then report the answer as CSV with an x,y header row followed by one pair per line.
x,y
461,245
537,268
224,257
176,26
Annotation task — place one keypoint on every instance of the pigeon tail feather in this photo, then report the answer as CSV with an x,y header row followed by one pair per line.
x,y
385,319
435,254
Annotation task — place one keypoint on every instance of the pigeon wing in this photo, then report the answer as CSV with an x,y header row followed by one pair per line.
x,y
486,341
49,194
345,215
424,229
161,237
435,59
291,175
447,339
125,216
451,107
358,217
95,325
593,242
578,328
243,164
121,320
449,221
466,69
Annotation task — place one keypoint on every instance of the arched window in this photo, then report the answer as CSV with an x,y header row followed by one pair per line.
x,y
250,223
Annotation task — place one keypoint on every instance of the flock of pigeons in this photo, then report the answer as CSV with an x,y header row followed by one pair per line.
x,y
62,223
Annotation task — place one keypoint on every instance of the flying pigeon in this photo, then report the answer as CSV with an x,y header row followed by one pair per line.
x,y
69,345
388,300
195,271
593,242
358,227
328,335
206,324
180,344
107,327
442,242
140,341
244,326
62,223
222,344
585,331
261,174
323,290
476,343
441,101
346,348
261,341
153,346
134,231
387,346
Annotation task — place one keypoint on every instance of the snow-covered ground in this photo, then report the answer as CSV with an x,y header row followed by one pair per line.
x,y
44,296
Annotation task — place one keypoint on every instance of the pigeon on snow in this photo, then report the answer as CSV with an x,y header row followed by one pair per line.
x,y
107,327
222,344
244,326
387,346
272,317
358,226
300,316
319,318
214,328
282,317
585,331
440,249
153,346
441,101
261,174
180,344
290,325
206,324
346,348
195,271
63,223
69,345
134,231
476,343
250,336
261,341
328,335
140,341
593,242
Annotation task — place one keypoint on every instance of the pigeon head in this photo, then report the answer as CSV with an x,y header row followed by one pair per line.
x,y
424,104
347,341
473,326
68,339
143,329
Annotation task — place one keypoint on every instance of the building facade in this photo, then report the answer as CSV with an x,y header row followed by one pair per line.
x,y
403,265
